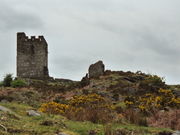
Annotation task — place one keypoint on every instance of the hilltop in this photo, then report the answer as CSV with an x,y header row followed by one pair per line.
x,y
104,102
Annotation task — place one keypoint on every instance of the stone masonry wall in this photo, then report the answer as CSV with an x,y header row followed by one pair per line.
x,y
32,57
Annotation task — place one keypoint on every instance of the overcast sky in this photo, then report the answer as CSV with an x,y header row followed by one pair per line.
x,y
126,34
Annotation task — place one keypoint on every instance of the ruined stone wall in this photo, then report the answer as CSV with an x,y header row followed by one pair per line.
x,y
32,57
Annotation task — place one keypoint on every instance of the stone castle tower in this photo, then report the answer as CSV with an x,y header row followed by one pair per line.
x,y
32,57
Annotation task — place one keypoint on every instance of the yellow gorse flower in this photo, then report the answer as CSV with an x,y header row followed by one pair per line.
x,y
147,102
53,107
77,104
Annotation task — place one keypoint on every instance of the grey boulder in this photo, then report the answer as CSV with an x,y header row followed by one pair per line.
x,y
33,113
176,133
4,109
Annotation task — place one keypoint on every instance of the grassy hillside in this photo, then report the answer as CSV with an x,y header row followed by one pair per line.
x,y
117,103
18,122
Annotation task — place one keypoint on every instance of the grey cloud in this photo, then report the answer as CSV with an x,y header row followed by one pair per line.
x,y
69,67
142,36
11,19
125,34
70,63
159,44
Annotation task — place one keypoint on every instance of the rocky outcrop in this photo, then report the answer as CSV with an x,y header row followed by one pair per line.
x,y
4,109
96,70
33,113
62,134
176,133
85,81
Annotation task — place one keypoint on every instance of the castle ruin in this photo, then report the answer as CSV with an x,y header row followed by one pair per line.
x,y
32,57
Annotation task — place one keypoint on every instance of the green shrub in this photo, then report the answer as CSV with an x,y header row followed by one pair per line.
x,y
152,83
7,80
18,83
1,84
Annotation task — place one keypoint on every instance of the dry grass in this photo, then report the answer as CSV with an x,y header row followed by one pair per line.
x,y
135,117
169,119
95,115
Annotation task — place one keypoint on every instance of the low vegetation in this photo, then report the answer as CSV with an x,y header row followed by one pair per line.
x,y
117,103
19,123
9,81
91,107
18,83
151,102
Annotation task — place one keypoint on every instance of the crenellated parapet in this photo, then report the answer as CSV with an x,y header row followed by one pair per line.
x,y
21,36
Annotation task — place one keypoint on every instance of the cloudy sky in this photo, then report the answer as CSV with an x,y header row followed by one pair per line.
x,y
126,34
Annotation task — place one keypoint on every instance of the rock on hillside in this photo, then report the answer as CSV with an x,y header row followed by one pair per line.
x,y
4,109
96,70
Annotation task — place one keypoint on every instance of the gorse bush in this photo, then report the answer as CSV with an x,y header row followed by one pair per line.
x,y
54,108
91,107
7,80
150,102
18,83
84,100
